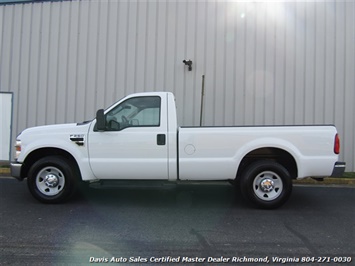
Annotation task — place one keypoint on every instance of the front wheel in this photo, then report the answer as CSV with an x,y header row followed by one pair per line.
x,y
266,184
52,179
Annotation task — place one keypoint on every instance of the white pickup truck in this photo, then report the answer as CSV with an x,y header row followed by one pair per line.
x,y
138,139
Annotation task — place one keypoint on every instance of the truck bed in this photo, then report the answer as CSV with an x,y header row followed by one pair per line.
x,y
214,153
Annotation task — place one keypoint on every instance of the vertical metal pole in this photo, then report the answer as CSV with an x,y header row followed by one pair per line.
x,y
202,95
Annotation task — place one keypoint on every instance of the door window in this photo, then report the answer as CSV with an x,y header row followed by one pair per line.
x,y
135,112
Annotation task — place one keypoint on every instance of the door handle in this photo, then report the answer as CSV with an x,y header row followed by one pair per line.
x,y
161,139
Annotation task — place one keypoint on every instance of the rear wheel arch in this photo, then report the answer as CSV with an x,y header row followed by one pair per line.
x,y
277,155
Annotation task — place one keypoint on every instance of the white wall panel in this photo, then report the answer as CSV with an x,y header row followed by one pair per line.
x,y
277,62
5,126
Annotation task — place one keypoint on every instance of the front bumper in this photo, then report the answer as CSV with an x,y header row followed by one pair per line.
x,y
339,169
16,170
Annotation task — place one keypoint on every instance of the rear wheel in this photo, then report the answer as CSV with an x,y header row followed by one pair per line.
x,y
266,184
52,179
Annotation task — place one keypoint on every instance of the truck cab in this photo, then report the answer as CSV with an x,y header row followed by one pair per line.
x,y
139,131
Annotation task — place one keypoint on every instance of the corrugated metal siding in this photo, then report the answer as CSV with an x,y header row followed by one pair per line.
x,y
264,63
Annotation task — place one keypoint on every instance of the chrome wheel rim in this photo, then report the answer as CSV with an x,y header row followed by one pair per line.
x,y
50,181
267,185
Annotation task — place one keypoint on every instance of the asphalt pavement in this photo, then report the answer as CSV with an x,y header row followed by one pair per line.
x,y
191,222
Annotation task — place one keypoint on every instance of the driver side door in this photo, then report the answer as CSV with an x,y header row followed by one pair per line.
x,y
133,145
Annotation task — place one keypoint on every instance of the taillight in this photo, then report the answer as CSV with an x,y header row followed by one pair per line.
x,y
336,144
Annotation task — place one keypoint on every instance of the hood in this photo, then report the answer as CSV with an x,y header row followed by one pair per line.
x,y
47,131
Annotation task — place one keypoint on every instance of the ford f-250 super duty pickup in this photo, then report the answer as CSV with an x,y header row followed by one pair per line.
x,y
138,139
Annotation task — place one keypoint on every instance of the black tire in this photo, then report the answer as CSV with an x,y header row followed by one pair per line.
x,y
52,179
266,184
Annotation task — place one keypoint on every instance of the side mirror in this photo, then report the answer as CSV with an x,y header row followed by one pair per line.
x,y
100,120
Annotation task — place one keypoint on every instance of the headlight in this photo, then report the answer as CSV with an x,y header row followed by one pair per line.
x,y
17,149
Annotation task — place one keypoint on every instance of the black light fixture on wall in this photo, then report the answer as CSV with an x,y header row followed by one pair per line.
x,y
188,63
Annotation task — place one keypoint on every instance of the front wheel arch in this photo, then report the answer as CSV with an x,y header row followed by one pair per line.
x,y
40,153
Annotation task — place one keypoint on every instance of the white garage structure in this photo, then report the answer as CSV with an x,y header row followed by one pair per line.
x,y
264,62
5,126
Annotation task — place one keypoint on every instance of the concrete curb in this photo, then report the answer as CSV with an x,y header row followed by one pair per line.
x,y
327,181
4,171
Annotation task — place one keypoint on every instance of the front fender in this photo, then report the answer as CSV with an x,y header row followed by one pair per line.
x,y
79,153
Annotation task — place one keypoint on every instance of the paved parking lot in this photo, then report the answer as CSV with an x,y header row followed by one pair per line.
x,y
189,221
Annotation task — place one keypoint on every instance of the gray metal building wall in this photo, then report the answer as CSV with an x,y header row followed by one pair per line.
x,y
284,62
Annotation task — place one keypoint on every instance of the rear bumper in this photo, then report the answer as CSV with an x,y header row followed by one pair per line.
x,y
339,169
16,170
